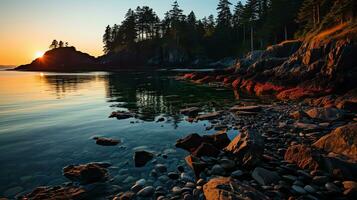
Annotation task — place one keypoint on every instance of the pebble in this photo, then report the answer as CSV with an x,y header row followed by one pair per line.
x,y
298,189
320,180
160,168
309,189
176,190
217,170
187,197
146,191
332,187
180,168
173,175
186,177
201,182
237,174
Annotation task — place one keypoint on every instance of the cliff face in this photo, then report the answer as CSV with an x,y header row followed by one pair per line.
x,y
321,64
61,59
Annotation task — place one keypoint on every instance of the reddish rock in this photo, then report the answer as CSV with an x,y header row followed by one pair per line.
x,y
106,141
206,149
303,156
299,114
190,142
220,139
236,83
225,188
58,193
195,164
85,174
248,146
246,108
205,79
326,114
190,111
342,140
297,93
267,88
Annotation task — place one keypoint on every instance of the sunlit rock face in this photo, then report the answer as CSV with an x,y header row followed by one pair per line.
x,y
61,59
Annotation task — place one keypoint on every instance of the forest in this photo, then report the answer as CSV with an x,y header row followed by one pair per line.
x,y
234,31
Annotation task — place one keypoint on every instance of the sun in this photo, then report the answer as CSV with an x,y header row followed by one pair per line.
x,y
39,54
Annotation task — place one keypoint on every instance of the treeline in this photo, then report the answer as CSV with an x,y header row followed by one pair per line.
x,y
58,44
236,29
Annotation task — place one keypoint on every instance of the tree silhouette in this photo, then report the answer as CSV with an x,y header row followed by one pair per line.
x,y
54,44
60,44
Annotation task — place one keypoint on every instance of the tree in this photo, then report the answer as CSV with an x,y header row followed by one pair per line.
x,y
60,44
66,44
224,13
108,40
54,44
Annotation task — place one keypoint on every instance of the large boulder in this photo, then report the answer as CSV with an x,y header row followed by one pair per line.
x,y
303,156
206,149
225,188
87,173
342,140
220,139
248,146
190,142
57,192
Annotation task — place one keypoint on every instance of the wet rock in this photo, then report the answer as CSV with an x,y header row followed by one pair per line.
x,y
320,180
248,146
307,126
298,189
176,190
227,164
325,114
106,141
173,175
126,196
265,177
160,168
146,192
195,164
349,185
303,156
237,173
342,140
298,115
220,139
192,111
206,149
223,188
252,109
142,157
332,187
186,177
309,189
209,116
121,115
217,170
57,192
190,142
85,174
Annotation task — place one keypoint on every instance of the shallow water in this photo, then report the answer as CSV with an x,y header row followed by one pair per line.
x,y
47,121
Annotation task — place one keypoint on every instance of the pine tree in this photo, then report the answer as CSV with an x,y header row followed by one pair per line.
x,y
60,44
107,40
224,18
54,44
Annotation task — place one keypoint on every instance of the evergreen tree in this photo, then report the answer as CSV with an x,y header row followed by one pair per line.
x,y
107,40
54,44
60,44
224,18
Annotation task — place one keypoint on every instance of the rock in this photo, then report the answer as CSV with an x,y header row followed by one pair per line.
x,y
127,196
320,180
227,164
146,191
190,142
217,170
342,140
188,197
195,164
206,149
325,114
224,188
332,187
160,168
57,192
309,189
186,177
209,116
303,156
13,191
220,139
237,174
121,115
173,175
176,190
85,174
252,109
193,111
298,115
265,177
106,141
349,185
248,146
142,157
306,126
298,189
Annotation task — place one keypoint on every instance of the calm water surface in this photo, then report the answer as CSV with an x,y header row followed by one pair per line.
x,y
47,121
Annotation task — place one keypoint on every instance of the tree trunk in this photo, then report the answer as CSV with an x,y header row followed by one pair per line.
x,y
251,38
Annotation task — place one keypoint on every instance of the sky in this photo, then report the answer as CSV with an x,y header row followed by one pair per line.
x,y
29,26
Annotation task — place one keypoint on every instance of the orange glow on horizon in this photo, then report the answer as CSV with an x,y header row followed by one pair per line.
x,y
39,54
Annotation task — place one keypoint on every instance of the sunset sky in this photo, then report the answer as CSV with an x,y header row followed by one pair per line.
x,y
28,26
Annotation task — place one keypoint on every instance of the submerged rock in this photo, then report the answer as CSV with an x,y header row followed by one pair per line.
x,y
190,142
106,141
86,174
57,192
248,146
246,108
142,157
121,115
224,188
190,111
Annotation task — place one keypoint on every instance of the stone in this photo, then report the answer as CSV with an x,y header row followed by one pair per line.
x,y
147,191
208,116
57,192
220,139
192,111
224,188
106,141
325,114
127,196
206,149
217,170
248,147
190,142
176,190
160,168
186,177
310,189
303,156
299,114
342,140
85,174
227,164
195,164
237,173
252,109
298,189
306,126
142,157
121,115
349,185
332,187
265,177
320,180
173,175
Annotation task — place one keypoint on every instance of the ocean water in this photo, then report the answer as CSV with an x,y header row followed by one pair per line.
x,y
48,120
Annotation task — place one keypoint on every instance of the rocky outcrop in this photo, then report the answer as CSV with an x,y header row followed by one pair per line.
x,y
62,59
248,147
58,192
223,188
303,156
86,174
325,114
342,140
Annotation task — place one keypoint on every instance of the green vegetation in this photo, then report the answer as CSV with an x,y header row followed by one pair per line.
x,y
254,25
